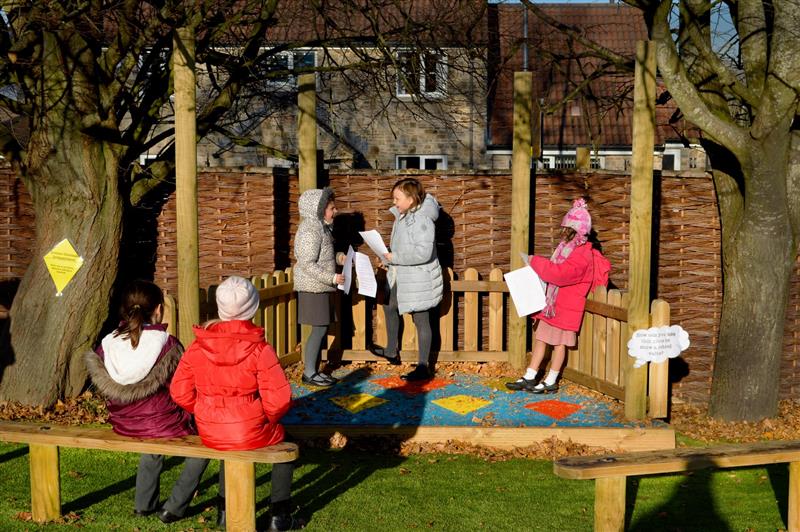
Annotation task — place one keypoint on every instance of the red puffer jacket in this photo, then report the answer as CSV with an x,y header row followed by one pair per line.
x,y
230,379
584,270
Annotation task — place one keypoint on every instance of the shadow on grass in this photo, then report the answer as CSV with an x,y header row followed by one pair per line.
x,y
691,506
11,455
779,479
379,429
99,495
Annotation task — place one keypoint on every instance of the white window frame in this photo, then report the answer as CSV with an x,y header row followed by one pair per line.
x,y
422,159
676,153
440,75
290,81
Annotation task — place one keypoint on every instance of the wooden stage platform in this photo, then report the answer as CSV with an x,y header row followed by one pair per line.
x,y
465,407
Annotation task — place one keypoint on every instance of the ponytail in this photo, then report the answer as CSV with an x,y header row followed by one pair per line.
x,y
140,299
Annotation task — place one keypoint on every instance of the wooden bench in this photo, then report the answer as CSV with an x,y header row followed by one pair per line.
x,y
45,440
611,471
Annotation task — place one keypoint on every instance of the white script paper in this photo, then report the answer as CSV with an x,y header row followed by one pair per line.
x,y
347,271
367,285
374,240
527,290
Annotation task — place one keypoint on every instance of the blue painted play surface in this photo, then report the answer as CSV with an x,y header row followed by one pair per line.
x,y
454,399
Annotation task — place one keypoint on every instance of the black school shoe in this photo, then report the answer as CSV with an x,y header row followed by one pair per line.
x,y
544,388
379,351
285,522
420,373
144,513
320,380
168,517
521,384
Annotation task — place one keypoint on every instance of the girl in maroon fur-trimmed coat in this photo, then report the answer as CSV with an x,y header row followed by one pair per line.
x,y
132,368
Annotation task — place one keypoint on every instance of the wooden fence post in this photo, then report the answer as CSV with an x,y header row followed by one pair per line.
x,y
658,372
520,202
186,183
641,220
307,145
583,161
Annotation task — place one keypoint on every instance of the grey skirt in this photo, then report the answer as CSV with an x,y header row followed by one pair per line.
x,y
315,309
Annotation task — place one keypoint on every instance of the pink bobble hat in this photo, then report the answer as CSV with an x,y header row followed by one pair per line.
x,y
578,218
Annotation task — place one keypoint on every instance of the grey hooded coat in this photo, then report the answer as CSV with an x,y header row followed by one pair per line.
x,y
415,267
315,260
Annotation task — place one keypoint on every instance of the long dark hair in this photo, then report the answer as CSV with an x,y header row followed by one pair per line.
x,y
140,299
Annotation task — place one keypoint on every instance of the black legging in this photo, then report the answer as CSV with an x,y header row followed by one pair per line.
x,y
422,321
312,349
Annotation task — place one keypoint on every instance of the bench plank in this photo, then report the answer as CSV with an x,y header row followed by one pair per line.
x,y
107,440
671,461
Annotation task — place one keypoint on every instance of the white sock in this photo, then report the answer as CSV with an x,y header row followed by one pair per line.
x,y
530,374
552,376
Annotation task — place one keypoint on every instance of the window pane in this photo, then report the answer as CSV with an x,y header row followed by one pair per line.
x,y
668,162
432,66
433,163
404,163
408,82
304,59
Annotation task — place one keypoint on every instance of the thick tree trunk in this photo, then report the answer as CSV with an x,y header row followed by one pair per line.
x,y
759,253
74,187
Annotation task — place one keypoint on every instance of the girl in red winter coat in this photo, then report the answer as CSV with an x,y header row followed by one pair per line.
x,y
574,269
230,379
132,369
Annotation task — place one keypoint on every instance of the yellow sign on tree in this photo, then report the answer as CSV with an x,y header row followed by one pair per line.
x,y
63,262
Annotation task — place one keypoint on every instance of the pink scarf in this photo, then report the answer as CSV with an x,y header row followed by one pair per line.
x,y
563,250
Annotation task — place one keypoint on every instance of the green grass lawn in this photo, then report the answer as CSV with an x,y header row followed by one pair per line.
x,y
352,490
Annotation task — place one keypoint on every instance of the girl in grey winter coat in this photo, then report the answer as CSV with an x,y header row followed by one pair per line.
x,y
414,275
315,276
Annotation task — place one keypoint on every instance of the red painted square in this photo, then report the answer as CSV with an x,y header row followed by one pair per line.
x,y
412,388
554,408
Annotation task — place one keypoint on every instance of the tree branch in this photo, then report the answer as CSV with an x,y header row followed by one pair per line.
x,y
718,126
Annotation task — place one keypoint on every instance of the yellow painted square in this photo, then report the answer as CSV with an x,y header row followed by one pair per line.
x,y
462,404
357,402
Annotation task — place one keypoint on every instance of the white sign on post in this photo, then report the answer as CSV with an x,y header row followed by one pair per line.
x,y
657,344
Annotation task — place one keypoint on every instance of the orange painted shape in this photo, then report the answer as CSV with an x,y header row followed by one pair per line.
x,y
554,408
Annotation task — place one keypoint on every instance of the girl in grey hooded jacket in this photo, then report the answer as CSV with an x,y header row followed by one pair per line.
x,y
414,275
315,276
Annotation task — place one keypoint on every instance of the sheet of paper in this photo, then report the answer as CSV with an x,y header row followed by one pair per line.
x,y
527,261
374,240
347,271
526,289
367,284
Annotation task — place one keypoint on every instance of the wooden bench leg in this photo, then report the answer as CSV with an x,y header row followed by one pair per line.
x,y
793,519
609,504
240,496
45,483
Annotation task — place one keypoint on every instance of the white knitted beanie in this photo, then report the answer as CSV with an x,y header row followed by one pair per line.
x,y
237,299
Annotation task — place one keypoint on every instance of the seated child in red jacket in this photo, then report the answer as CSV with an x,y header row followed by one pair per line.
x,y
132,369
230,379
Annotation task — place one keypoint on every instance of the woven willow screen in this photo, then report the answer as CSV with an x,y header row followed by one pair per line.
x,y
248,219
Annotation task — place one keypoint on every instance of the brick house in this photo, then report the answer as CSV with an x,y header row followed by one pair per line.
x,y
448,106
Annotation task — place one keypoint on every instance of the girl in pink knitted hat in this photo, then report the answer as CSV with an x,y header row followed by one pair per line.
x,y
574,269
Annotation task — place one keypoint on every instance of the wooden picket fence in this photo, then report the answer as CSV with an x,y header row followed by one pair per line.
x,y
598,361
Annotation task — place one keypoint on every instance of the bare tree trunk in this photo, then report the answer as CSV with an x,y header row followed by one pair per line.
x,y
759,252
74,186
